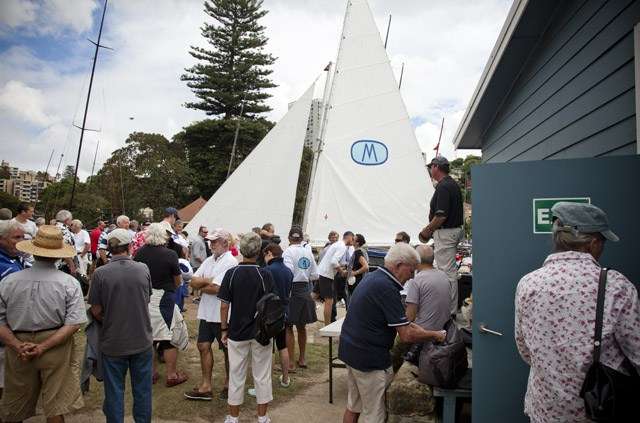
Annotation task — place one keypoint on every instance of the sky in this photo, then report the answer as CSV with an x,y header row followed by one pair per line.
x,y
46,58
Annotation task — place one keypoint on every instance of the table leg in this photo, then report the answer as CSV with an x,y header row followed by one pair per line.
x,y
330,370
449,409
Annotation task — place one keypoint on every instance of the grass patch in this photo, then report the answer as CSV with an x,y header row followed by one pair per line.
x,y
170,404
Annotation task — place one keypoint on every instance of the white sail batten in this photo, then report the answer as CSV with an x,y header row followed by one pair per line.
x,y
246,199
370,175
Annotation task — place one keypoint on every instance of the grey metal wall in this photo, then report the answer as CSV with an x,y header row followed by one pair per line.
x,y
575,96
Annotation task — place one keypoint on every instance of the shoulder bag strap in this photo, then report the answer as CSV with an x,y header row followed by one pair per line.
x,y
597,339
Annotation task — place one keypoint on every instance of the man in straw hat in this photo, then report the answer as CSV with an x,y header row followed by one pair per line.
x,y
38,331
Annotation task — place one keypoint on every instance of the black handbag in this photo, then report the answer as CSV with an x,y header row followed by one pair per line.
x,y
609,395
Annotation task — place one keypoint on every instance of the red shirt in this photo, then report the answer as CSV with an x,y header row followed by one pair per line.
x,y
95,236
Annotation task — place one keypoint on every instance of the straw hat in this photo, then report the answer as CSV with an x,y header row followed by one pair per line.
x,y
47,243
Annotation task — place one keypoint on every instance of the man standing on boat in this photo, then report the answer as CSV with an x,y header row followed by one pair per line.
x,y
445,223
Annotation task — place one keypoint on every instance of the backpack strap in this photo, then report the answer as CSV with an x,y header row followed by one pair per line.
x,y
597,338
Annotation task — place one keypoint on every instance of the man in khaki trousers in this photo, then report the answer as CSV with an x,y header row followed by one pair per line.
x,y
445,223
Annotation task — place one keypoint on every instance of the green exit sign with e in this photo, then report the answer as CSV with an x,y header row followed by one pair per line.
x,y
542,212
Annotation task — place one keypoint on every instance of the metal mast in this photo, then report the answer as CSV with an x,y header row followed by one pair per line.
x,y
86,107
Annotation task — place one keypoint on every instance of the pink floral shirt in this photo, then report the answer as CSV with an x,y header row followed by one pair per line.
x,y
554,326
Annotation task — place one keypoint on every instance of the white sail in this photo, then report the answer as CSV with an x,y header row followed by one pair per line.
x,y
263,187
370,176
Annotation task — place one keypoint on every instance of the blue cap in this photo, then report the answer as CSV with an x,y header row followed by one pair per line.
x,y
586,218
171,211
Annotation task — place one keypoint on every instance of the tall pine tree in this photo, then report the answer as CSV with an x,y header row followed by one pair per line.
x,y
236,67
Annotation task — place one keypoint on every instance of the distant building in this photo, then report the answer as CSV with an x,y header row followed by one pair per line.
x,y
26,185
313,127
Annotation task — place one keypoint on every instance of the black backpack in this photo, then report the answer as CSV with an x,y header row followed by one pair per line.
x,y
444,364
269,315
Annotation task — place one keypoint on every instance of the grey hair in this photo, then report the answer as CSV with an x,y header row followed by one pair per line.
x,y
426,254
8,226
75,222
250,244
63,216
156,234
401,253
568,238
120,219
40,221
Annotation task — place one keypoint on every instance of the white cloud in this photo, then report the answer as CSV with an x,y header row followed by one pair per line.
x,y
52,17
27,103
443,44
61,15
15,13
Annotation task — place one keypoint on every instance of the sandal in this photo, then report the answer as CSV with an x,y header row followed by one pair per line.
x,y
155,377
302,366
182,378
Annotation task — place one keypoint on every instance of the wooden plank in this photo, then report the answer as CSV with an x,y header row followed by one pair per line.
x,y
612,138
553,102
606,91
588,124
593,41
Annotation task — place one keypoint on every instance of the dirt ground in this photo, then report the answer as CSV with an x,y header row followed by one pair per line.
x,y
307,400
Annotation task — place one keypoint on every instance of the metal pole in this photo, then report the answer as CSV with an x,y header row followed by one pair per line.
x,y
93,166
401,74
122,190
439,138
235,139
86,107
386,38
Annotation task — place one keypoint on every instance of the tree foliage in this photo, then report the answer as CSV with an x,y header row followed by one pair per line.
x,y
235,66
88,206
208,144
149,171
9,201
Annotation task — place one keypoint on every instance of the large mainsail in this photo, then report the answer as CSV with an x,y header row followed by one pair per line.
x,y
370,176
263,187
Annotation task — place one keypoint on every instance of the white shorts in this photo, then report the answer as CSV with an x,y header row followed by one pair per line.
x,y
260,368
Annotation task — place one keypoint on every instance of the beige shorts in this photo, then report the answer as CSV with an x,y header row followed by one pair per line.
x,y
366,393
50,376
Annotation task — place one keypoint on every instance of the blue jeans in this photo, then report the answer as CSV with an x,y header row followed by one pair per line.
x,y
115,371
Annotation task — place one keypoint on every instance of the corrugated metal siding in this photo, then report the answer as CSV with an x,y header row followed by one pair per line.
x,y
575,96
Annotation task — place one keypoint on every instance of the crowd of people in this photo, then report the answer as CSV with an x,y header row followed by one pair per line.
x,y
130,281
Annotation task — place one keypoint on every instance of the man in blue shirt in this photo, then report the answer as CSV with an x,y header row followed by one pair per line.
x,y
375,315
10,234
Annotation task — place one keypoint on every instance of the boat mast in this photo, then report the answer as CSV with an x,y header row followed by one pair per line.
x,y
326,100
86,107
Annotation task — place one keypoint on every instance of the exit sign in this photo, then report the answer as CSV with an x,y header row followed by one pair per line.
x,y
542,223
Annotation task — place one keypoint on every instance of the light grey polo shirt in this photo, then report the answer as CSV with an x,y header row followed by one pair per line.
x,y
430,291
41,298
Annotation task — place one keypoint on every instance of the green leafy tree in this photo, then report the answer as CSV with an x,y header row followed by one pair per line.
x,y
235,67
88,206
149,171
8,201
207,145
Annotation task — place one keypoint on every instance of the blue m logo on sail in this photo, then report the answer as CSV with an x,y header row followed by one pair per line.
x,y
369,152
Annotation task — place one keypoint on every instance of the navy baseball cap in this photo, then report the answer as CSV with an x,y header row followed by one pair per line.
x,y
171,211
584,217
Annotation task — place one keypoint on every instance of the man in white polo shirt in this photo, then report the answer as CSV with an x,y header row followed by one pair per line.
x,y
208,279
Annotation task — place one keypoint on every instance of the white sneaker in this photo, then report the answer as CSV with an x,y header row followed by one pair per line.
x,y
285,385
251,392
267,420
230,419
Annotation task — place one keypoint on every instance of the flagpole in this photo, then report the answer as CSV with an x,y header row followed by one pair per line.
x,y
439,138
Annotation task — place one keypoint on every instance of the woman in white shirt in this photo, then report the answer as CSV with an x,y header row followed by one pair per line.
x,y
302,309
